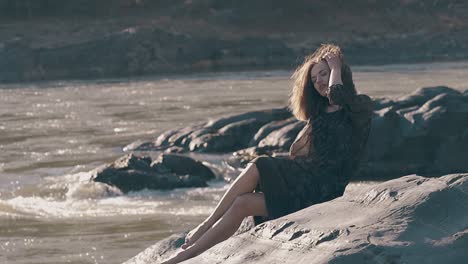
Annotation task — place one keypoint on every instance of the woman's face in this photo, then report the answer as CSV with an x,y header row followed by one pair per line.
x,y
320,74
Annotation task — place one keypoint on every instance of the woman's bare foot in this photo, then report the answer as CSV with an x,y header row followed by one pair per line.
x,y
179,257
195,234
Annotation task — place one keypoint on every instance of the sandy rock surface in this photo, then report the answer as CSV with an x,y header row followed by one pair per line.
x,y
411,219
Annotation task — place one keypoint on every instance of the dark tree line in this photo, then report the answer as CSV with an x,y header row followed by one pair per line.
x,y
44,8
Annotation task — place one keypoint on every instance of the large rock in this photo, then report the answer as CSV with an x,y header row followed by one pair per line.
x,y
282,138
411,219
223,134
417,134
183,165
133,173
424,132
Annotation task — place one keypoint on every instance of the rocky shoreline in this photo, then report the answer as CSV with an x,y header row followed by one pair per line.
x,y
136,52
83,39
423,134
154,51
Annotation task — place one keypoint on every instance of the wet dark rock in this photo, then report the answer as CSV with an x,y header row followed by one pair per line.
x,y
223,134
174,149
265,130
133,173
181,165
282,138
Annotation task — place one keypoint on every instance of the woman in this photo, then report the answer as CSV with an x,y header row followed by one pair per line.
x,y
320,163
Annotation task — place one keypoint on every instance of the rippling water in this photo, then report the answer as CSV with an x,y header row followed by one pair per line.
x,y
53,133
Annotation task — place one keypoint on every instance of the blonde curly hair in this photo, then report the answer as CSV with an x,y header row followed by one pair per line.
x,y
304,101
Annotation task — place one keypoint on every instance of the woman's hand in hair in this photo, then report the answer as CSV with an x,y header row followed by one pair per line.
x,y
335,63
333,60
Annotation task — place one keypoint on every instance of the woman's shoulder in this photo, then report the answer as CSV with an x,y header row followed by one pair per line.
x,y
364,98
361,103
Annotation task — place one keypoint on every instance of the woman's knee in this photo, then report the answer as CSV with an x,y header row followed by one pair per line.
x,y
249,204
240,205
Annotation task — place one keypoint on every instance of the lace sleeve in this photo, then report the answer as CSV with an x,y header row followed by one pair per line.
x,y
360,108
339,94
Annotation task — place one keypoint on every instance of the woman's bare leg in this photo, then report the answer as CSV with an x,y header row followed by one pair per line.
x,y
244,183
243,206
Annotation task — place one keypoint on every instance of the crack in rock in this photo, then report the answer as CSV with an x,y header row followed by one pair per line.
x,y
282,228
298,233
328,236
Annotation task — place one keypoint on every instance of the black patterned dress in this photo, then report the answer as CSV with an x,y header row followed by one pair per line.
x,y
291,184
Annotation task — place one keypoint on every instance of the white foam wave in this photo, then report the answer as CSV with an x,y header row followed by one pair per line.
x,y
38,207
81,197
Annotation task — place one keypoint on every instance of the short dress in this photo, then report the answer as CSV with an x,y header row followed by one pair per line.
x,y
291,184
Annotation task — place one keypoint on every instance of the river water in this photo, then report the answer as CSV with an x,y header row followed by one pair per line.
x,y
53,133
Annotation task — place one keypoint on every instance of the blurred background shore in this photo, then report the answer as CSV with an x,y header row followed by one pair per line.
x,y
50,39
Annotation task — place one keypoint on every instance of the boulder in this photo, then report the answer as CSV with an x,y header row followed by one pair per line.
x,y
182,165
282,138
411,219
423,133
265,130
410,135
380,103
422,95
133,173
221,135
